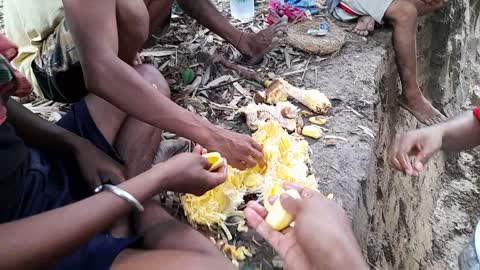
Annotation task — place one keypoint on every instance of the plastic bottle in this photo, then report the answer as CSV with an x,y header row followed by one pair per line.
x,y
242,10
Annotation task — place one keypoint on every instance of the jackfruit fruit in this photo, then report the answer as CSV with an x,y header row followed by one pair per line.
x,y
286,159
313,99
312,131
215,160
278,218
319,120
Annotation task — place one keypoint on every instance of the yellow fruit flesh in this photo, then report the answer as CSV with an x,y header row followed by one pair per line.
x,y
286,159
312,131
319,120
214,159
277,217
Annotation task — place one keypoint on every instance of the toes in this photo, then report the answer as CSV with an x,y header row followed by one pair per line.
x,y
427,122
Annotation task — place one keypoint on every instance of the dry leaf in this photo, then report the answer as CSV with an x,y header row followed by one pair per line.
x,y
219,80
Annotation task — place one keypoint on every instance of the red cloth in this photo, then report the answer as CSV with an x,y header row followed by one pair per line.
x,y
476,112
23,86
348,10
19,85
277,9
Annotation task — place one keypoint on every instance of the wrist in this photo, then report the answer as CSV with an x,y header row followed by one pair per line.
x,y
209,136
160,174
347,255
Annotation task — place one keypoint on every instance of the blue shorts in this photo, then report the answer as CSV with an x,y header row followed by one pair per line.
x,y
54,181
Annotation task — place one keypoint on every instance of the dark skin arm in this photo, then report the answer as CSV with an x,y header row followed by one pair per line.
x,y
94,164
40,133
39,241
107,76
410,151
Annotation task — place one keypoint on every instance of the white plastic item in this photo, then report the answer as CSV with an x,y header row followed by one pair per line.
x,y
242,10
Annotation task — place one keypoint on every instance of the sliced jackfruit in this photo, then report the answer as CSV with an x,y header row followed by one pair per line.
x,y
319,120
278,218
286,159
312,131
215,160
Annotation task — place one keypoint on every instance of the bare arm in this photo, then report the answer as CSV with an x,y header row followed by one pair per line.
x,y
40,133
39,241
107,76
460,133
93,26
410,151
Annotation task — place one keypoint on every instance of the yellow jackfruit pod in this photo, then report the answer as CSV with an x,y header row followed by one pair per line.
x,y
312,131
319,120
313,99
278,218
275,92
214,159
238,254
253,181
274,190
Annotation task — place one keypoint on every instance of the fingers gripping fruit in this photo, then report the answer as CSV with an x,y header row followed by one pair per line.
x,y
278,218
215,160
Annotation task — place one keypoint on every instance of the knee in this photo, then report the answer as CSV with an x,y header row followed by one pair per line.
x,y
153,76
403,12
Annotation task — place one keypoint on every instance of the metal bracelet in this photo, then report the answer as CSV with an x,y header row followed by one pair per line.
x,y
122,194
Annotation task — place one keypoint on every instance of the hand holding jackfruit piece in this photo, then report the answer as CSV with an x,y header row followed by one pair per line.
x,y
278,218
215,160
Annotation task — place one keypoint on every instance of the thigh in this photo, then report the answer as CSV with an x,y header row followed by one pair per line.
x,y
424,9
159,12
161,231
169,259
108,118
133,28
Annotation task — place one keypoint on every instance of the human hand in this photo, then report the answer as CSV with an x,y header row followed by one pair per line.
x,y
313,243
188,173
410,151
241,150
96,166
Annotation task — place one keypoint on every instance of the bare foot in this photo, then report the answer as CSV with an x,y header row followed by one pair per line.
x,y
169,148
365,25
255,46
422,109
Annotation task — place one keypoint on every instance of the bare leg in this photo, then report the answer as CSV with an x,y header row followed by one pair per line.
x,y
169,259
365,25
133,28
162,231
403,15
424,9
136,142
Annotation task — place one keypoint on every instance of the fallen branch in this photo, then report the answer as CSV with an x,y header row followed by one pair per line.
x,y
243,72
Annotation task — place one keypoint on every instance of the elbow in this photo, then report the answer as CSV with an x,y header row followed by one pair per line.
x,y
96,72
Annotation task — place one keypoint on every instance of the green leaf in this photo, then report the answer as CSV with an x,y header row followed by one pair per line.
x,y
188,76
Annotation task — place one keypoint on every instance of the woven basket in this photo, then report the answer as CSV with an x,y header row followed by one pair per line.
x,y
331,43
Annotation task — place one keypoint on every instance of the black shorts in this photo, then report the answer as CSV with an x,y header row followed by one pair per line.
x,y
54,180
66,87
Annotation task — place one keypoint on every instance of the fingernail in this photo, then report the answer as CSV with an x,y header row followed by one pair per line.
x,y
418,165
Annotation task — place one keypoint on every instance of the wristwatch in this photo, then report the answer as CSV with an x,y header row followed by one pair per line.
x,y
122,194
